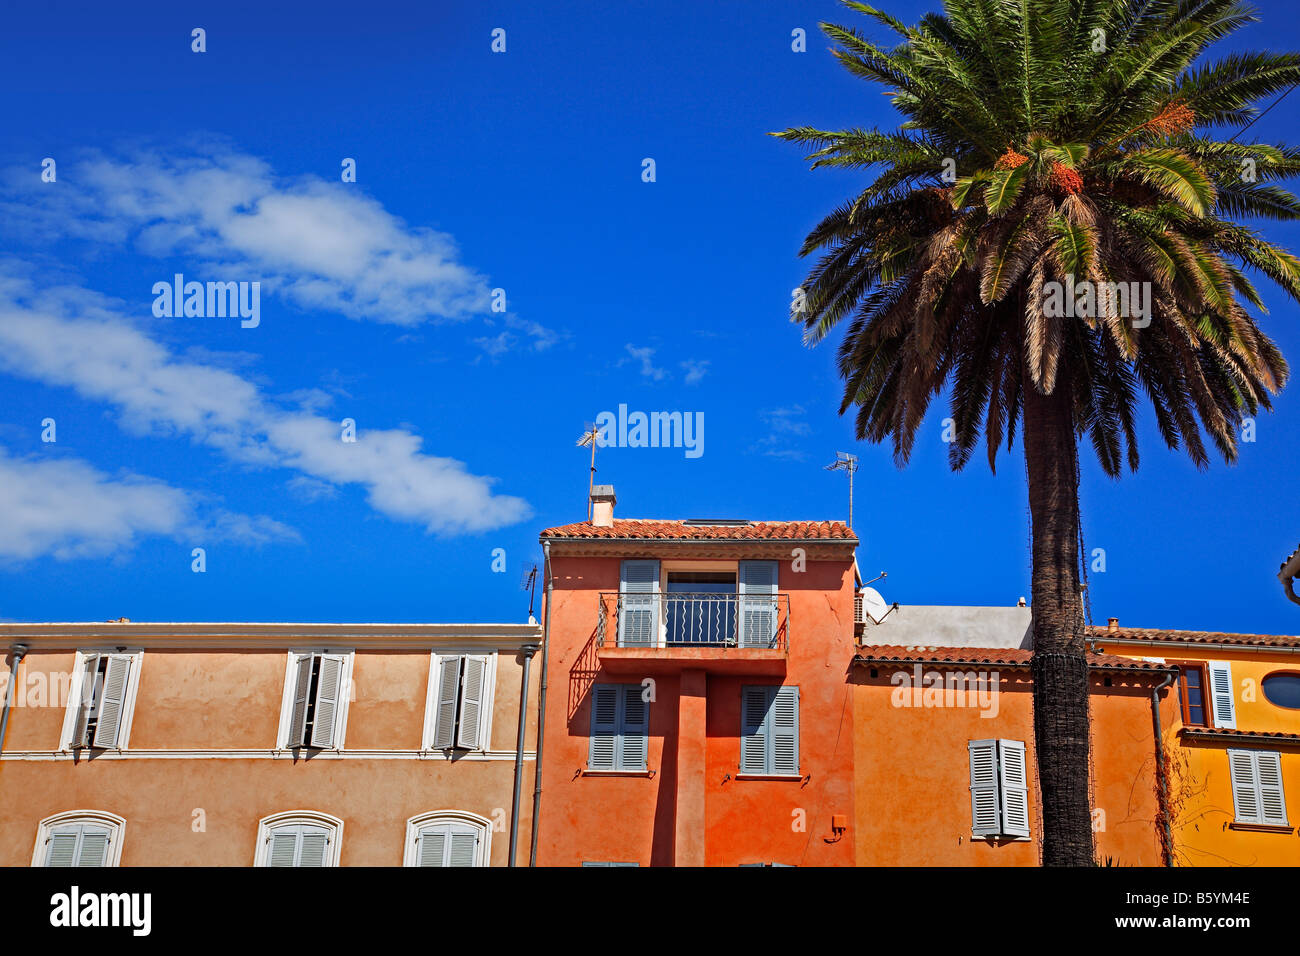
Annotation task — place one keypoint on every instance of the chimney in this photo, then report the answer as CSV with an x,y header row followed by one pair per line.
x,y
602,506
1112,624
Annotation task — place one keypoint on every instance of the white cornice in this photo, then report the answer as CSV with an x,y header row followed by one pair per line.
x,y
240,634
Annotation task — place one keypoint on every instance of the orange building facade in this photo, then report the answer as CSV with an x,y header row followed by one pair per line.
x,y
266,744
1232,738
697,711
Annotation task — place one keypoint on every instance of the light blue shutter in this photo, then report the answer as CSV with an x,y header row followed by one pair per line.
x,y
471,702
1014,788
61,848
444,728
284,846
783,731
638,588
753,729
604,727
314,844
433,845
634,732
758,607
328,687
112,700
301,687
984,802
463,850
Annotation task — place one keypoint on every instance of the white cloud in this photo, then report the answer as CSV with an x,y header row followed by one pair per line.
x,y
319,244
68,337
645,356
695,369
68,509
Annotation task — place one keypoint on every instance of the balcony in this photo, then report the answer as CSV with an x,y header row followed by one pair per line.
x,y
720,633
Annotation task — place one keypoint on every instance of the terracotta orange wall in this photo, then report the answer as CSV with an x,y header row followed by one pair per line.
x,y
1200,783
913,775
632,819
227,700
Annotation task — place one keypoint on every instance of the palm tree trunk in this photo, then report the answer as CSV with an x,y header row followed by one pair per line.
x,y
1060,668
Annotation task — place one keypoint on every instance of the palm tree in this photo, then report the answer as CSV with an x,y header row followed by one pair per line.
x,y
1050,147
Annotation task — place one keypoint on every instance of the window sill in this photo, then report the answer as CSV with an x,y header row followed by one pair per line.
x,y
768,776
999,838
1262,828
617,773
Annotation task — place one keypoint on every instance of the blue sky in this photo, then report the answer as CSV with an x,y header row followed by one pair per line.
x,y
476,171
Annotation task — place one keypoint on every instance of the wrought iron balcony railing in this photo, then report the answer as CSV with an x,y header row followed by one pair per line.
x,y
704,619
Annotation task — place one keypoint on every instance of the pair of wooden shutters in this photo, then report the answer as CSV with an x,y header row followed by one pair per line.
x,y
448,844
458,717
999,788
769,742
318,683
620,727
299,845
639,603
78,844
1257,787
102,700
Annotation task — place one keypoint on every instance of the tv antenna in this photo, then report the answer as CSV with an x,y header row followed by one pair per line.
x,y
589,438
846,462
529,584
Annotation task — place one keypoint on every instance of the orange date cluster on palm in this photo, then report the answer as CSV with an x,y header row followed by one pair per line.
x,y
1065,181
1173,120
1010,159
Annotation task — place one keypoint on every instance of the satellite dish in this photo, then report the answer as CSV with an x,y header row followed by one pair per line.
x,y
873,604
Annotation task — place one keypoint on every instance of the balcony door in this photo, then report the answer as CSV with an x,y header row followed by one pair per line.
x,y
701,609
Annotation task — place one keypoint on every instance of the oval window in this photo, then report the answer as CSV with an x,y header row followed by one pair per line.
x,y
1283,690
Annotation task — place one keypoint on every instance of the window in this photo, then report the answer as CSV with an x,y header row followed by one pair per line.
x,y
298,838
79,838
458,708
101,700
620,726
1283,689
448,838
701,608
1221,694
1191,691
999,790
769,742
1257,787
726,604
316,691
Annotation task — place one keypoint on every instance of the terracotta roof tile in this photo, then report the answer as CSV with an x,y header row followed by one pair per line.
x,y
1239,734
1101,633
638,529
1002,656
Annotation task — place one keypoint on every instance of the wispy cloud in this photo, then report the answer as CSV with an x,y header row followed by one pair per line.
x,y
645,356
695,369
68,509
73,338
784,427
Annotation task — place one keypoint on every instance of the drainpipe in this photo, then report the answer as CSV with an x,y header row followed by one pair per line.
x,y
16,654
541,703
1167,850
528,650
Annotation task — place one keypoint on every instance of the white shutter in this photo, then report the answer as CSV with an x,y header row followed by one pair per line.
x,y
444,717
314,846
1272,800
783,731
758,613
1221,693
1245,787
284,846
753,729
112,700
984,787
468,731
85,701
1014,788
302,686
464,846
325,713
94,846
638,587
604,727
61,848
433,846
